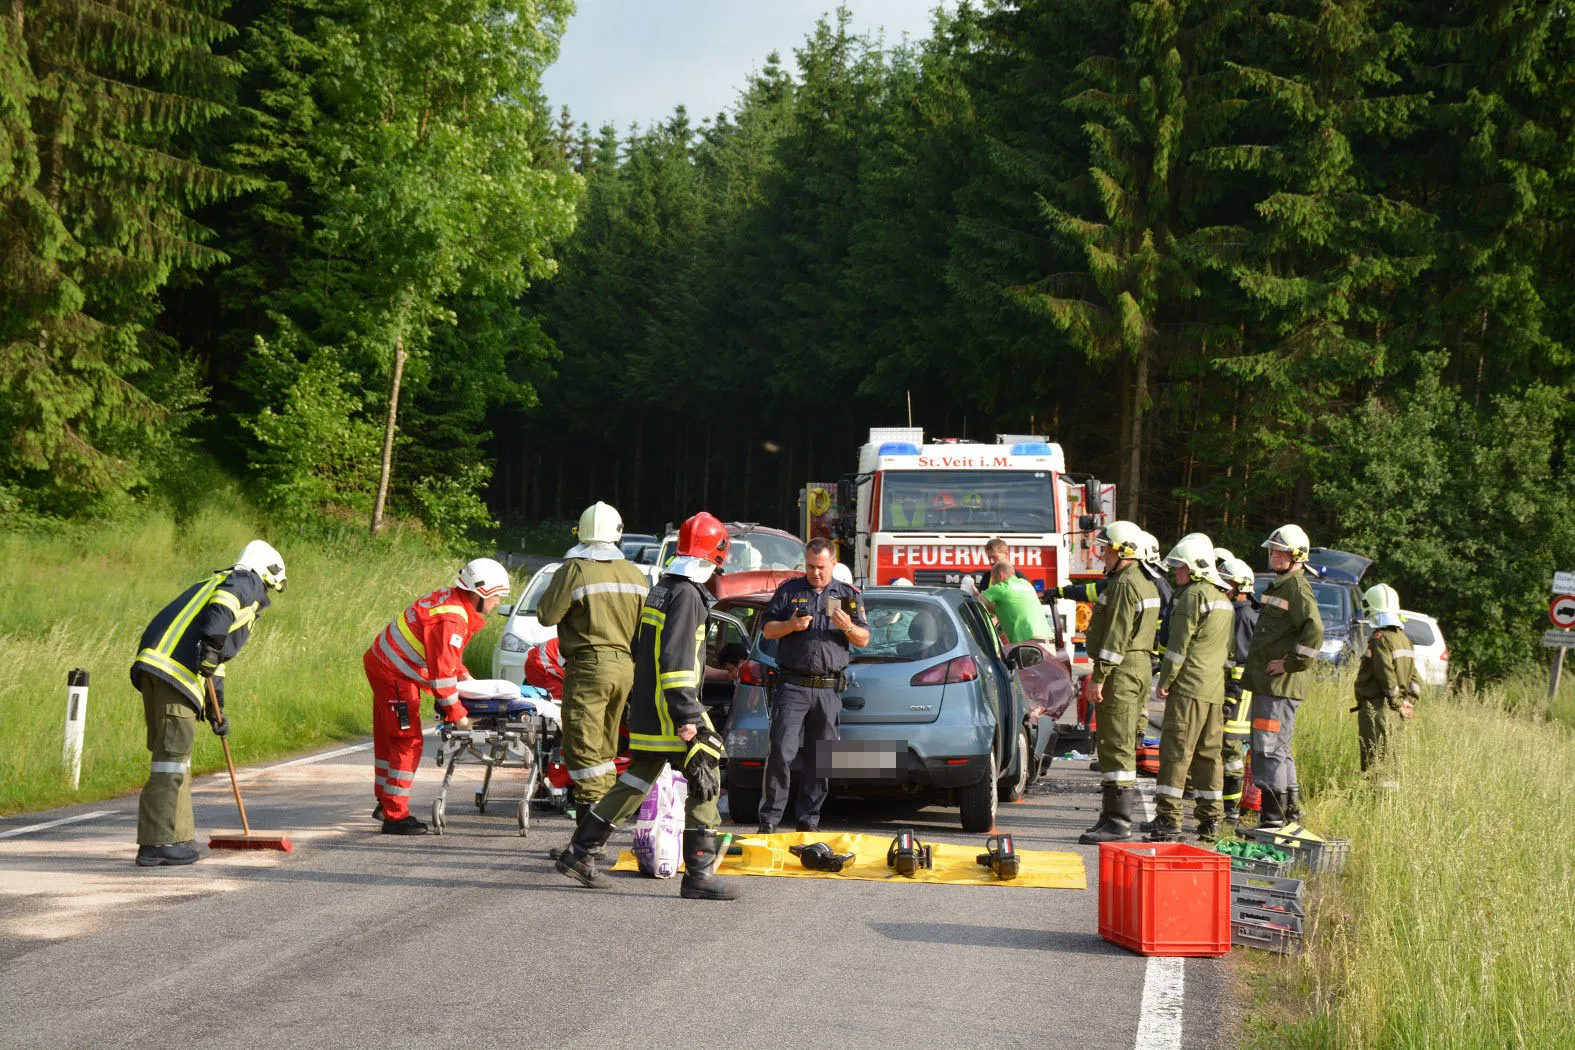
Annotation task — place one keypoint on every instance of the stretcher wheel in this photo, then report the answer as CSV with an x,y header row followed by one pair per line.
x,y
481,802
437,816
524,817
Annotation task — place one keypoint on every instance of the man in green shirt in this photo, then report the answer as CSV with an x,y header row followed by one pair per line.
x,y
1192,684
1016,605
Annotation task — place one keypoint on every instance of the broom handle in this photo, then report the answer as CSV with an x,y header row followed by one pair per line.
x,y
213,698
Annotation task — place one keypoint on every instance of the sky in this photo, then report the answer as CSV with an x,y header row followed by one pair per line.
x,y
633,61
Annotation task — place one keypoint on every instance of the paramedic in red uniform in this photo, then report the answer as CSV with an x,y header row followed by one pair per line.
x,y
419,652
544,668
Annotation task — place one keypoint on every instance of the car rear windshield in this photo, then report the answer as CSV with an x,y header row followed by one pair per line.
x,y
753,551
901,629
967,501
1419,631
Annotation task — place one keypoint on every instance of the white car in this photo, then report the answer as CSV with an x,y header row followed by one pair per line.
x,y
523,630
1432,656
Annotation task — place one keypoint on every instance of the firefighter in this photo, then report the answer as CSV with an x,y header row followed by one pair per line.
x,y
1285,646
1120,640
422,651
1238,701
594,600
1388,681
667,723
1192,684
182,651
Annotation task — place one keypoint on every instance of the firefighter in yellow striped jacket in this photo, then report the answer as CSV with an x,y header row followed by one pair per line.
x,y
667,723
187,644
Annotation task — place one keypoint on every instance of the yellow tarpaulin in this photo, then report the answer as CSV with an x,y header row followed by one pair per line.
x,y
768,855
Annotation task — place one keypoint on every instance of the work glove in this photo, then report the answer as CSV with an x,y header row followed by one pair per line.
x,y
703,765
208,657
216,719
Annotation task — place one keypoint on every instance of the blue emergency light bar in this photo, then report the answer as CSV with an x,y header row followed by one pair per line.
x,y
897,448
1031,448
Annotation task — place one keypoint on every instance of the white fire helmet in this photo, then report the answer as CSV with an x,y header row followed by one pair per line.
x,y
485,577
600,524
1196,552
1123,537
1382,605
1291,539
261,558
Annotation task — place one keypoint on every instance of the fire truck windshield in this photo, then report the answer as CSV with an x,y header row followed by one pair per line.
x,y
983,501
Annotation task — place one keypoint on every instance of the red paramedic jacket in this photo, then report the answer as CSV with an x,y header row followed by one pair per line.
x,y
544,668
426,644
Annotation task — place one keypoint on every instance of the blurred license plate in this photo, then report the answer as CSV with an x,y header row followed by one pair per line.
x,y
860,759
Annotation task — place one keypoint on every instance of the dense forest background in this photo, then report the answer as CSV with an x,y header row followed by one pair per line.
x,y
1254,260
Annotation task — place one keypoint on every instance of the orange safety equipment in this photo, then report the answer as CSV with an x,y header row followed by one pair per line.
x,y
703,537
544,668
421,651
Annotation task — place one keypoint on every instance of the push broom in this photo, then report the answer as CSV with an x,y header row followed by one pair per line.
x,y
247,839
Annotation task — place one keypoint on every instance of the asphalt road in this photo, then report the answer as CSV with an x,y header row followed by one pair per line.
x,y
473,940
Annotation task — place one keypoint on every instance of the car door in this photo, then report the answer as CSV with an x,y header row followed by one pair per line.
x,y
1002,690
721,628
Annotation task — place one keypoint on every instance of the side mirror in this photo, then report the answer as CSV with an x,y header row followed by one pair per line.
x,y
1087,522
1092,502
1025,656
505,610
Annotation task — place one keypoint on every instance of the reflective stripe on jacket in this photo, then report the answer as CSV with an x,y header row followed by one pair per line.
x,y
669,662
1389,669
1125,617
426,645
594,605
220,610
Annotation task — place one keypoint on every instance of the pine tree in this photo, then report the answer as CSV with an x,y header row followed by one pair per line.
x,y
97,188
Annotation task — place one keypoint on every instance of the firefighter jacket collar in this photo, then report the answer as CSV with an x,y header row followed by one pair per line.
x,y
690,568
599,551
1387,619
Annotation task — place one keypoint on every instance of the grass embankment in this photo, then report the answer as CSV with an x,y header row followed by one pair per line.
x,y
81,596
1452,925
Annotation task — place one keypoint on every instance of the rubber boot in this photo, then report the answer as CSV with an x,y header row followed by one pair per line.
x,y
1116,820
699,856
579,821
1208,831
578,862
1293,804
1104,811
1271,811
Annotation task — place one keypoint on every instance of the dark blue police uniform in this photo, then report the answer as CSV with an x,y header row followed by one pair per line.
x,y
804,703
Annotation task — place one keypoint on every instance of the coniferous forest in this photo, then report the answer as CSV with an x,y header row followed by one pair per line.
x,y
1253,260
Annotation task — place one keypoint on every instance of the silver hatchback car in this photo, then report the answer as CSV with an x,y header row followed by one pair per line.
x,y
932,709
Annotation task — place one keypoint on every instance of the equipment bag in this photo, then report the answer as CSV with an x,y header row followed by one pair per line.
x,y
659,829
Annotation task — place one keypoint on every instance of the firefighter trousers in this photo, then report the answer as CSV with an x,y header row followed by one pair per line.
x,y
1273,723
396,751
1233,751
1375,721
629,789
1125,699
596,684
1189,747
164,810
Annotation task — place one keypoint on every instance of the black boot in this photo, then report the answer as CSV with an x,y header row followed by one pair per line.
x,y
579,822
407,825
1293,804
176,853
1208,831
1164,831
1271,810
1115,821
699,857
578,862
1104,811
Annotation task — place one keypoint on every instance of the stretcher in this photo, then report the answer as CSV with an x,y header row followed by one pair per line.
x,y
511,727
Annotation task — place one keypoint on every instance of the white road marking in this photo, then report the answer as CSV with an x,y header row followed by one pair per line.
x,y
14,832
243,775
1146,799
1164,993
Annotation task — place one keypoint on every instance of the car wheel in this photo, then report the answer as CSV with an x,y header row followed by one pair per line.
x,y
1015,783
977,802
743,805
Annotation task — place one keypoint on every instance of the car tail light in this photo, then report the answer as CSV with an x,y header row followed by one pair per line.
x,y
1444,656
752,673
961,669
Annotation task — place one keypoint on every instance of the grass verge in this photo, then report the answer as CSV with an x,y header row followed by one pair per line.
x,y
81,596
1452,924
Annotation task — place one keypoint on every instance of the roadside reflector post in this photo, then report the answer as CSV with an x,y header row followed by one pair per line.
x,y
76,718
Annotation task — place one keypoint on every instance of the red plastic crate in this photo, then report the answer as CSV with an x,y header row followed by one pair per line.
x,y
1164,898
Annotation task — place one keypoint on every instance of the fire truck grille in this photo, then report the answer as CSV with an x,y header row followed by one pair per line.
x,y
940,577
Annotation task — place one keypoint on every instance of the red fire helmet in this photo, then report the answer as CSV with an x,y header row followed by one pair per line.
x,y
703,536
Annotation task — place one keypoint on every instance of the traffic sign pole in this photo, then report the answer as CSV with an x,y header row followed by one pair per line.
x,y
1562,613
1558,671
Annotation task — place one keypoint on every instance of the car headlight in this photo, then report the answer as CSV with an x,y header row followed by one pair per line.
x,y
513,643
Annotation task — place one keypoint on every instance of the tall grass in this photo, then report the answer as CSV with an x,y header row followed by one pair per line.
x,y
81,596
1452,926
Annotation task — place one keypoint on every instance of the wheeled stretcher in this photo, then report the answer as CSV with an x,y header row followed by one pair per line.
x,y
511,727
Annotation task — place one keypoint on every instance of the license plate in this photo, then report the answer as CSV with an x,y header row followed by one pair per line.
x,y
860,759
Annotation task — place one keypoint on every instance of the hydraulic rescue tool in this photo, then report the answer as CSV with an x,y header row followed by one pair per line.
x,y
817,856
906,854
1000,857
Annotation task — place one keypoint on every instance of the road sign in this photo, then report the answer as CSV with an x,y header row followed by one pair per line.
x,y
1564,583
1558,639
1562,611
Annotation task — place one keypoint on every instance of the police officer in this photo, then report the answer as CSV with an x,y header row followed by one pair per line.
x,y
1120,642
1192,684
1388,682
1285,646
817,619
667,723
594,600
1238,701
182,652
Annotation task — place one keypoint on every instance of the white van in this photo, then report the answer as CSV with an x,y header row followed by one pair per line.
x,y
1432,656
